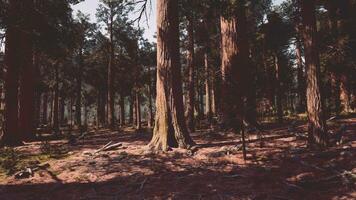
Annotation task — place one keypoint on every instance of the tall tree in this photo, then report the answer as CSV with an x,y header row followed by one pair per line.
x,y
170,129
316,122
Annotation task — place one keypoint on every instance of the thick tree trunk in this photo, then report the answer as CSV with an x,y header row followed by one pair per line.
x,y
300,78
191,78
170,128
232,106
12,136
316,122
27,90
18,55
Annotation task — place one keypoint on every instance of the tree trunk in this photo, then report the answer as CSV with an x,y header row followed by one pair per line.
x,y
56,101
27,90
191,72
131,111
345,93
111,93
78,106
234,57
138,110
150,104
316,122
170,128
300,77
62,109
45,108
122,110
278,89
12,136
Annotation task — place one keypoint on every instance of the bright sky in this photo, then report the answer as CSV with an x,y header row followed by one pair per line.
x,y
90,6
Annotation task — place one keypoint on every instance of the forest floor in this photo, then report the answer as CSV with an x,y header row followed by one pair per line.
x,y
283,168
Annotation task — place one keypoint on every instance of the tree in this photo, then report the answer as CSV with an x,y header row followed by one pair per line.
x,y
316,122
18,60
234,63
170,129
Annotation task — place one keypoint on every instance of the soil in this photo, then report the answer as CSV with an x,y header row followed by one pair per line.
x,y
280,168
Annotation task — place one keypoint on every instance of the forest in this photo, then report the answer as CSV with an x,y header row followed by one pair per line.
x,y
231,99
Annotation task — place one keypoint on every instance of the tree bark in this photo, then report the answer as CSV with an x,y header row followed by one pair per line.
x,y
150,104
18,55
191,78
278,89
316,122
300,77
78,106
45,108
56,101
111,93
138,110
122,110
27,89
170,129
12,136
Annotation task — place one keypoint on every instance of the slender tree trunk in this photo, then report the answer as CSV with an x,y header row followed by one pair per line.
x,y
78,106
56,101
170,128
316,122
45,108
62,109
111,93
122,110
131,111
191,78
207,66
150,104
278,88
138,110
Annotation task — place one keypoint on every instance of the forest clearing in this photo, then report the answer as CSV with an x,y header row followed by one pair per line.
x,y
177,99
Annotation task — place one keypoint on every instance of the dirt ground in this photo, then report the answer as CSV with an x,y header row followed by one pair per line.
x,y
282,168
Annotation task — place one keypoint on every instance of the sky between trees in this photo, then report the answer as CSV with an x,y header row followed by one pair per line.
x,y
90,6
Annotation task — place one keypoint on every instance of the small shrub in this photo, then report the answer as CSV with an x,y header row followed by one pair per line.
x,y
9,158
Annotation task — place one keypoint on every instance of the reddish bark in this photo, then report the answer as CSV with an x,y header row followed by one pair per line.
x,y
316,122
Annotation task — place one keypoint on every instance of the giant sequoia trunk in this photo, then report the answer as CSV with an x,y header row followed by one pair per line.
x,y
27,90
191,72
234,62
300,78
170,128
316,121
12,135
18,55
